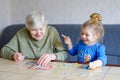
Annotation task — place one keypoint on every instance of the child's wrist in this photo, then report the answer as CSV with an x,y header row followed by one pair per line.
x,y
98,63
95,64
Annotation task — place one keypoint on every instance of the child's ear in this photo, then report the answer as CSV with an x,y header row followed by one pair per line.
x,y
97,35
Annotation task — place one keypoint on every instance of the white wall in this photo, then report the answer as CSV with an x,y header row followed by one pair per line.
x,y
67,11
20,8
59,11
4,14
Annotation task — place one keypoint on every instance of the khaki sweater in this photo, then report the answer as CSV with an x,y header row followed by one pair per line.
x,y
23,42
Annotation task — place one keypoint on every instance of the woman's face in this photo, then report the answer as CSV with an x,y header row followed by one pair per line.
x,y
38,33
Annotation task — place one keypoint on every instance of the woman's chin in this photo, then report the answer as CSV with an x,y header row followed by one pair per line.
x,y
38,38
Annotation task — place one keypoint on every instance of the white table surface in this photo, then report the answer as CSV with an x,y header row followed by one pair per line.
x,y
11,70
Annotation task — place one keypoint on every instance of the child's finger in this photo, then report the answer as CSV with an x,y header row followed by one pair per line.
x,y
63,35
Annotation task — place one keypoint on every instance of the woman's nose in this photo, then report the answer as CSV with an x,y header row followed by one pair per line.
x,y
39,32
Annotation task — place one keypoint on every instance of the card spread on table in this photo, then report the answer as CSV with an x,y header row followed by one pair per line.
x,y
34,66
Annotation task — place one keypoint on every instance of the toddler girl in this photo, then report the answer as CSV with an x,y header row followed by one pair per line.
x,y
88,49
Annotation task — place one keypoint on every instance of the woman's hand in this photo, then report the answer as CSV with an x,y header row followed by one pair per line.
x,y
45,59
18,57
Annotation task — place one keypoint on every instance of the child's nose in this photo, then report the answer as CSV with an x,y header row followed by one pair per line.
x,y
83,36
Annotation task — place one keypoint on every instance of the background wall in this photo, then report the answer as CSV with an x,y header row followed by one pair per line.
x,y
5,14
59,11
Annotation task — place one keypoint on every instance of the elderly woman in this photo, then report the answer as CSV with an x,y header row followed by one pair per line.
x,y
35,41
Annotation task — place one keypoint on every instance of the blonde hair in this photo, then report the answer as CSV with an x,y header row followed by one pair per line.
x,y
95,24
35,20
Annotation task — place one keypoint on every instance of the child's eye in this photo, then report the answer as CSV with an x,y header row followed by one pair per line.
x,y
82,33
87,34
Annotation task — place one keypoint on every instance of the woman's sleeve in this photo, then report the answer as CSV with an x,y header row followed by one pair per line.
x,y
9,49
58,49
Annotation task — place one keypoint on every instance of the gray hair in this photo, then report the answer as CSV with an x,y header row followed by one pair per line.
x,y
35,20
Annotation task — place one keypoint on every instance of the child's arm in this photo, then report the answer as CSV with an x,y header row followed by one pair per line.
x,y
95,64
101,60
67,41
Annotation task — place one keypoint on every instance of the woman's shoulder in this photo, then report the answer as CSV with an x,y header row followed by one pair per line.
x,y
52,29
22,31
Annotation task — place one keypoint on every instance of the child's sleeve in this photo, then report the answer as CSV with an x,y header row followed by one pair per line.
x,y
101,55
73,51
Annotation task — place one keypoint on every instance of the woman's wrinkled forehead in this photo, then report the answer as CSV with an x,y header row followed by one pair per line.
x,y
36,27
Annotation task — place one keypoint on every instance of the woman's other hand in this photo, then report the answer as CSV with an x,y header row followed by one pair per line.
x,y
18,57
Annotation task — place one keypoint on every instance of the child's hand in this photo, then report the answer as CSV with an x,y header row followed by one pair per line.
x,y
95,64
92,66
67,41
18,57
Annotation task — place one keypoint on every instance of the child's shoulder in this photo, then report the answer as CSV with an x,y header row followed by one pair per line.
x,y
99,45
80,41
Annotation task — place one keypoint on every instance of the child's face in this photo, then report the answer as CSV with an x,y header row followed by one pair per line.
x,y
88,36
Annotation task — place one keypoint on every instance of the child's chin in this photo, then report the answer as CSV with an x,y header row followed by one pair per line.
x,y
86,42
